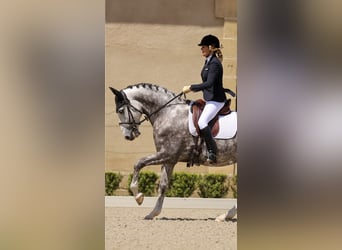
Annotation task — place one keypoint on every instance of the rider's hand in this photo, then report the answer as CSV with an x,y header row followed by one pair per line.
x,y
186,89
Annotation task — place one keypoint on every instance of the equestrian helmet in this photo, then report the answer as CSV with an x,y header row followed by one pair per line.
x,y
210,40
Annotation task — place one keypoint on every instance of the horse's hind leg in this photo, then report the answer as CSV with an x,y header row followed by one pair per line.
x,y
157,158
163,186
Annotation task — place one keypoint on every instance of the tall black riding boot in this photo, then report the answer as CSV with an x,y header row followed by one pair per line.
x,y
211,144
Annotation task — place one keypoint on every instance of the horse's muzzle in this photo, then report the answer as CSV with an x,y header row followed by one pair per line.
x,y
134,134
130,138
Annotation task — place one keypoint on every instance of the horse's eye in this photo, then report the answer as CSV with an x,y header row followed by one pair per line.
x,y
120,111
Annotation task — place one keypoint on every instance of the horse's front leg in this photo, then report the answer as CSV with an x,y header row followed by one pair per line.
x,y
165,178
157,158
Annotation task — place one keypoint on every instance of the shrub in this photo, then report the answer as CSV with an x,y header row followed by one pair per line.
x,y
146,182
112,181
213,186
182,185
233,185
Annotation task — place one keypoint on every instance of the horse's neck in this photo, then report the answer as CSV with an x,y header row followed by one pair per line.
x,y
149,99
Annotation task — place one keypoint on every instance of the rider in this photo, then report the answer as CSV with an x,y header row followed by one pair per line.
x,y
213,91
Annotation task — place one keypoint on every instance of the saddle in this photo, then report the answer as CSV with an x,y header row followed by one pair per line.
x,y
196,110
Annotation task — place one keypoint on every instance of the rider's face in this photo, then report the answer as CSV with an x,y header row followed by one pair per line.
x,y
205,51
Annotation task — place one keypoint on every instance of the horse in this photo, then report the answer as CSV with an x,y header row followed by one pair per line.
x,y
168,115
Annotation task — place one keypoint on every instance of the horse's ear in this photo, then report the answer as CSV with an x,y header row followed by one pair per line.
x,y
115,92
119,98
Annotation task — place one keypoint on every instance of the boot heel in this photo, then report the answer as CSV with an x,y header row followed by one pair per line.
x,y
211,157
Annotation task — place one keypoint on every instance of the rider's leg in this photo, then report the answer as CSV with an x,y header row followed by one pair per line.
x,y
211,144
209,112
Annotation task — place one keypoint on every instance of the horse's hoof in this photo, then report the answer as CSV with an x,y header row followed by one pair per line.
x,y
148,217
139,198
231,213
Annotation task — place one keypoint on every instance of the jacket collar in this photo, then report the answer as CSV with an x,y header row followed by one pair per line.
x,y
209,58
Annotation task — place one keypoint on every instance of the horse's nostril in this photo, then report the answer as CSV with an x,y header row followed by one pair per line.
x,y
130,138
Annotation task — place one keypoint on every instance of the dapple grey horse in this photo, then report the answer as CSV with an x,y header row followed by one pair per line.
x,y
168,114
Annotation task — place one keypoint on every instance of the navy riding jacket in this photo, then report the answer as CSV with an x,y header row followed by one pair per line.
x,y
212,86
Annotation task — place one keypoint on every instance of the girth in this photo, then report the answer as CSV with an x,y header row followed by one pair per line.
x,y
196,110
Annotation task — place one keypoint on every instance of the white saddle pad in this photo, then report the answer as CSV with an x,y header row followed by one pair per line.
x,y
228,126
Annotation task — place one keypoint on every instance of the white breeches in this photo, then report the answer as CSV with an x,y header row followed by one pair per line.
x,y
211,108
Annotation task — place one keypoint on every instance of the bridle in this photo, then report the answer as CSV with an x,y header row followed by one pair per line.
x,y
133,124
131,121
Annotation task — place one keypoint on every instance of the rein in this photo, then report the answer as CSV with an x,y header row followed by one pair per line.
x,y
163,106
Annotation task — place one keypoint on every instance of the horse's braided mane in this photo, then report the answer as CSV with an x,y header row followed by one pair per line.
x,y
150,86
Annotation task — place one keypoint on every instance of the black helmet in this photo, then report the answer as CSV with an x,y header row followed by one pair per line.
x,y
210,40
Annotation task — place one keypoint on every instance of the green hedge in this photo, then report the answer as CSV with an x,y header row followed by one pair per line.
x,y
213,186
182,185
147,183
112,181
